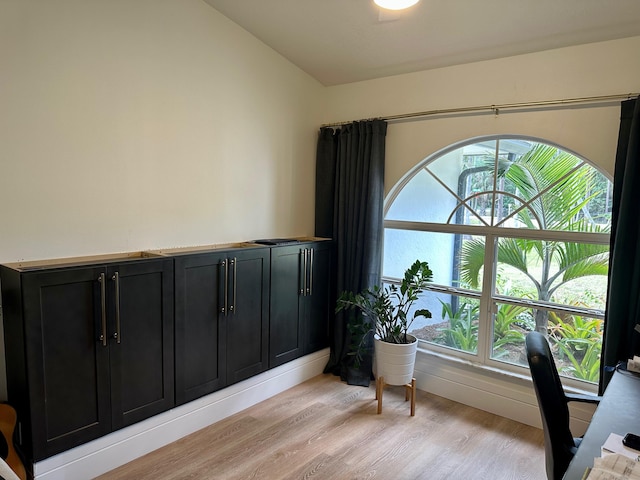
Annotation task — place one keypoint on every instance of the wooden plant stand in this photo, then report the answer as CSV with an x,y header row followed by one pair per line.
x,y
409,392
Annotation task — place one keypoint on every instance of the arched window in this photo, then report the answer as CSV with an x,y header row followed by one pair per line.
x,y
516,232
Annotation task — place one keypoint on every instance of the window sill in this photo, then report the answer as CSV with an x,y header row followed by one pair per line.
x,y
571,386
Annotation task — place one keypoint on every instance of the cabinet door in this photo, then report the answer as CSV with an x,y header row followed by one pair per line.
x,y
200,354
318,303
285,327
141,339
67,363
247,318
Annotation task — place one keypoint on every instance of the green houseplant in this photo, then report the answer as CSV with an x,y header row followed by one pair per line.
x,y
385,311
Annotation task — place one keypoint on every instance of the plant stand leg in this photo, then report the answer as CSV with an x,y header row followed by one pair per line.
x,y
379,390
410,391
409,394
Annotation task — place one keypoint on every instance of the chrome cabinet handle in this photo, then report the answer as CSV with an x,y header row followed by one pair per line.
x,y
302,267
223,265
233,266
310,289
116,279
103,308
305,284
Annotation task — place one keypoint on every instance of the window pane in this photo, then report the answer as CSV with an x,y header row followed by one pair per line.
x,y
536,186
468,174
511,323
566,273
442,251
557,191
575,340
426,300
508,212
454,323
423,199
598,208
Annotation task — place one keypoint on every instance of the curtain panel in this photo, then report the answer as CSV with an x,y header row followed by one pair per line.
x,y
620,339
349,209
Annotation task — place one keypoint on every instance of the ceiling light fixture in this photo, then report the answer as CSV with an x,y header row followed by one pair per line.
x,y
395,4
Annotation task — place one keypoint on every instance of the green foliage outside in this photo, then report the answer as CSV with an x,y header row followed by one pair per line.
x,y
462,332
579,341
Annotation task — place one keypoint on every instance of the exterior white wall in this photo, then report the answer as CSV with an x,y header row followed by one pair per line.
x,y
424,199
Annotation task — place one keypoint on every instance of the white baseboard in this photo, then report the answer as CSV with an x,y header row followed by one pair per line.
x,y
120,447
496,392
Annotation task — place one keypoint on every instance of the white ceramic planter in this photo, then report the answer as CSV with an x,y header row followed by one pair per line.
x,y
395,361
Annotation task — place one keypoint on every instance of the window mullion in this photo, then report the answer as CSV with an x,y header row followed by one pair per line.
x,y
549,235
485,328
494,195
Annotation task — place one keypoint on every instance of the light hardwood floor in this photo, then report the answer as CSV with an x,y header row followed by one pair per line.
x,y
326,429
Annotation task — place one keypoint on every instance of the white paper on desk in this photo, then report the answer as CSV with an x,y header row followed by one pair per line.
x,y
615,466
597,474
614,445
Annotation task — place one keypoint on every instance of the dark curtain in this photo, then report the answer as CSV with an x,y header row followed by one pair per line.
x,y
349,201
621,341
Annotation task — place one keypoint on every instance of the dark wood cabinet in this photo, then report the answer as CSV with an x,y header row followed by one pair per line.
x,y
89,349
96,344
318,308
300,303
247,319
142,344
200,353
222,319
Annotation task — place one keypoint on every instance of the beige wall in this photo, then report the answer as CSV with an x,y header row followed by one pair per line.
x,y
136,124
587,70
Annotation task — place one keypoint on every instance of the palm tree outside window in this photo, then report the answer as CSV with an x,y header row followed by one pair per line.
x,y
516,231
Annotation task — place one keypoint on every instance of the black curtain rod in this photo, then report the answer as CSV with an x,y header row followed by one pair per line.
x,y
505,106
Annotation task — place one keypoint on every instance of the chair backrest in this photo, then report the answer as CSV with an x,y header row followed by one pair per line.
x,y
558,442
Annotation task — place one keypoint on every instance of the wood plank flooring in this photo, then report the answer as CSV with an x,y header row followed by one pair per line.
x,y
326,429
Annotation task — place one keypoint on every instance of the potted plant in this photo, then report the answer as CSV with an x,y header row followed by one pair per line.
x,y
385,314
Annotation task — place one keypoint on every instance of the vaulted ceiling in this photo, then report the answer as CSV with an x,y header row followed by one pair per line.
x,y
343,41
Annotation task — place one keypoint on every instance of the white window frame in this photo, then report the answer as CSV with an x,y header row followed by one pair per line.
x,y
491,234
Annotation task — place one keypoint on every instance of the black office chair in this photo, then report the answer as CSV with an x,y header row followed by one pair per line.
x,y
559,444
